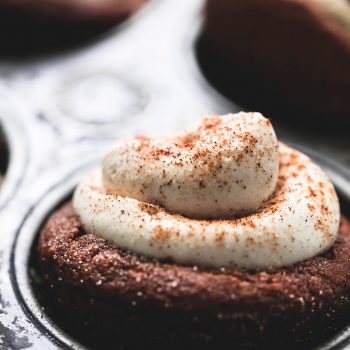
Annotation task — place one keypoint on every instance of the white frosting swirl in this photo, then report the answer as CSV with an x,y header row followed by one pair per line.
x,y
299,221
222,167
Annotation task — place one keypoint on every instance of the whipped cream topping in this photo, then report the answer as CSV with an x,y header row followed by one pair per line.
x,y
222,167
299,220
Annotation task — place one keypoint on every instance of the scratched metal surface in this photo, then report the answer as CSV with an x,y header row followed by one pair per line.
x,y
60,112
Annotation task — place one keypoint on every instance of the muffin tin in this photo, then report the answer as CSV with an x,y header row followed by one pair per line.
x,y
60,112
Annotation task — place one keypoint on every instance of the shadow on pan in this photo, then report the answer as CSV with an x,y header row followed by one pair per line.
x,y
4,155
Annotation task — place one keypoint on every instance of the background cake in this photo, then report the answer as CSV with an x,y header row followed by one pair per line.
x,y
290,56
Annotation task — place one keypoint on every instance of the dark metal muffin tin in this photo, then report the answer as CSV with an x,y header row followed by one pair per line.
x,y
60,112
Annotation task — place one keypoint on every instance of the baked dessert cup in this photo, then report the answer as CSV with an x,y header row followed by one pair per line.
x,y
118,292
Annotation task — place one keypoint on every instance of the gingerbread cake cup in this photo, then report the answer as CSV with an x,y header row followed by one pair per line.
x,y
287,270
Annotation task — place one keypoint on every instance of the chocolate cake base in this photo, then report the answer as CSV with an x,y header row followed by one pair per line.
x,y
112,296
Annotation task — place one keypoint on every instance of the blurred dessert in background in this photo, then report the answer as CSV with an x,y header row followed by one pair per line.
x,y
290,55
83,11
26,25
